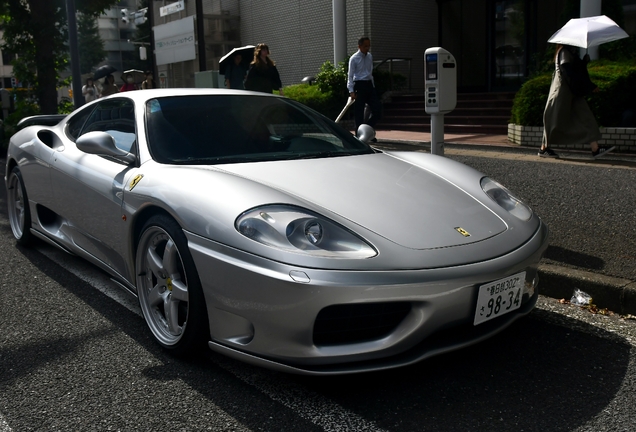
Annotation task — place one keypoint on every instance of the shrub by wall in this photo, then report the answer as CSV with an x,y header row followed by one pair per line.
x,y
311,95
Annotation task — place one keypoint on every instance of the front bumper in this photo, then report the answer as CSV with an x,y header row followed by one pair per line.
x,y
265,312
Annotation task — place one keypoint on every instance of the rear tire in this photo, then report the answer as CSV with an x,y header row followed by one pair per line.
x,y
169,289
18,206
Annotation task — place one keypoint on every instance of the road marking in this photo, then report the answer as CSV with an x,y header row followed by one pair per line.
x,y
309,405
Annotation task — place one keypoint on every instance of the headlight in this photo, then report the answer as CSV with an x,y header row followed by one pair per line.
x,y
505,199
298,230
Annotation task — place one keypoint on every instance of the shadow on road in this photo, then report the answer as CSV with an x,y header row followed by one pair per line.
x,y
534,376
567,256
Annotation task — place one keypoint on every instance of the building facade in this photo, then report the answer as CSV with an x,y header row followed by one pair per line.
x,y
300,34
496,42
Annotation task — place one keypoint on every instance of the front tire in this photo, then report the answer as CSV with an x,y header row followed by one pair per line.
x,y
18,206
169,289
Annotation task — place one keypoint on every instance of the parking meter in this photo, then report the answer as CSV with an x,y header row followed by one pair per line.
x,y
440,81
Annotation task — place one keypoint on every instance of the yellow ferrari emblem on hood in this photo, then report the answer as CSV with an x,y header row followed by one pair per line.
x,y
462,231
136,180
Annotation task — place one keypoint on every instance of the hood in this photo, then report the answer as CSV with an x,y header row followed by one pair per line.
x,y
403,203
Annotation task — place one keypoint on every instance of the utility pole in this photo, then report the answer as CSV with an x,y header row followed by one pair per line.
x,y
78,98
201,36
339,31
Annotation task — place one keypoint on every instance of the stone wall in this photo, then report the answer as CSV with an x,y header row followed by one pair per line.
x,y
623,138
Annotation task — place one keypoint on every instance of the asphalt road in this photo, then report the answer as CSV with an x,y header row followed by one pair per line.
x,y
75,353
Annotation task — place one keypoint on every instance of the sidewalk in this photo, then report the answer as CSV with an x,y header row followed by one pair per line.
x,y
413,137
615,294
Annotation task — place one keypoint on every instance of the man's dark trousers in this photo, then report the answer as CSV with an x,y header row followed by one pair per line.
x,y
365,94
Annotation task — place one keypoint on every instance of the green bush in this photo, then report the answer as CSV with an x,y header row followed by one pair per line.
x,y
530,100
65,106
24,106
333,79
617,92
311,95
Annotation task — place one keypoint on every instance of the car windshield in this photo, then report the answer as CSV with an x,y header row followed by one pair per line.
x,y
217,129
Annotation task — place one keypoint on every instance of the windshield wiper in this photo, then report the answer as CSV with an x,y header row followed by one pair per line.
x,y
214,160
326,154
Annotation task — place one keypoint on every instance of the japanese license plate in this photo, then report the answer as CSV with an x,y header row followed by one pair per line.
x,y
499,297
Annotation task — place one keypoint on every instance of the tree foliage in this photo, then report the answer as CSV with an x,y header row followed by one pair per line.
x,y
37,31
90,44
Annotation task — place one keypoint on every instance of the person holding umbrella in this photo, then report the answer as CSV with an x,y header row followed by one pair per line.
x,y
109,87
262,75
129,83
149,82
567,117
235,73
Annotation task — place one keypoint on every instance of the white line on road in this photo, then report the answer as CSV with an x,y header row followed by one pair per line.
x,y
309,405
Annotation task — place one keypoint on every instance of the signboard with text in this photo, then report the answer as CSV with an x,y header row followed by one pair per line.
x,y
171,8
175,42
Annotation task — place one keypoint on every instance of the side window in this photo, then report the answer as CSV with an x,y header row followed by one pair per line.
x,y
115,117
75,124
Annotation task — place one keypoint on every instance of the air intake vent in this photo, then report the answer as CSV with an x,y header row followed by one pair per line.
x,y
354,323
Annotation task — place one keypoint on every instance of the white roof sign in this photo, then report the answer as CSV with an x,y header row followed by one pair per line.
x,y
171,8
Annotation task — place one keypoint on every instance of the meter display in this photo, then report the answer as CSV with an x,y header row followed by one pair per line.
x,y
431,66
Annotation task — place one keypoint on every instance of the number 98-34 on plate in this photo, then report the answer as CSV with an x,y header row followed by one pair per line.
x,y
499,297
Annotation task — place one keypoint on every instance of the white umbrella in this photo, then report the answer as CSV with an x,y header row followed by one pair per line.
x,y
588,32
246,52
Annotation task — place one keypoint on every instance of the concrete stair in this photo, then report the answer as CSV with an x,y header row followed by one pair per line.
x,y
479,113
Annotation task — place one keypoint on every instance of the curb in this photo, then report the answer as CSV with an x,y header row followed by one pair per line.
x,y
503,147
615,294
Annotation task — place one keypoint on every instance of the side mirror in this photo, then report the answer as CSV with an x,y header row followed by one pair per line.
x,y
101,143
366,133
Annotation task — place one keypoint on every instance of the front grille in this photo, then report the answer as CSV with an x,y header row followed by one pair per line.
x,y
354,323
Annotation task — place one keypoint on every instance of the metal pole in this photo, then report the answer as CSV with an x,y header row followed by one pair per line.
x,y
590,8
151,54
201,36
339,31
437,134
78,98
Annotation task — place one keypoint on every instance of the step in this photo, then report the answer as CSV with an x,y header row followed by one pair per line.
x,y
448,128
460,104
506,97
475,113
459,111
448,119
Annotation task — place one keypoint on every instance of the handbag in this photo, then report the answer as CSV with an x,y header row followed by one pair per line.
x,y
574,72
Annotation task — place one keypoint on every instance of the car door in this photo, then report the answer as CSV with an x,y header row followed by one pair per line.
x,y
88,188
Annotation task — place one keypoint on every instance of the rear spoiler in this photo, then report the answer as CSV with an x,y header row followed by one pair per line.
x,y
42,120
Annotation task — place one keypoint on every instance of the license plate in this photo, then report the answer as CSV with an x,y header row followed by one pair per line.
x,y
499,297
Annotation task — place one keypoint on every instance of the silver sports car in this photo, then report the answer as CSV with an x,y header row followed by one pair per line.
x,y
254,226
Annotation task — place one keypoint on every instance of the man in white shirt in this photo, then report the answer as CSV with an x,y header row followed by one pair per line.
x,y
361,86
